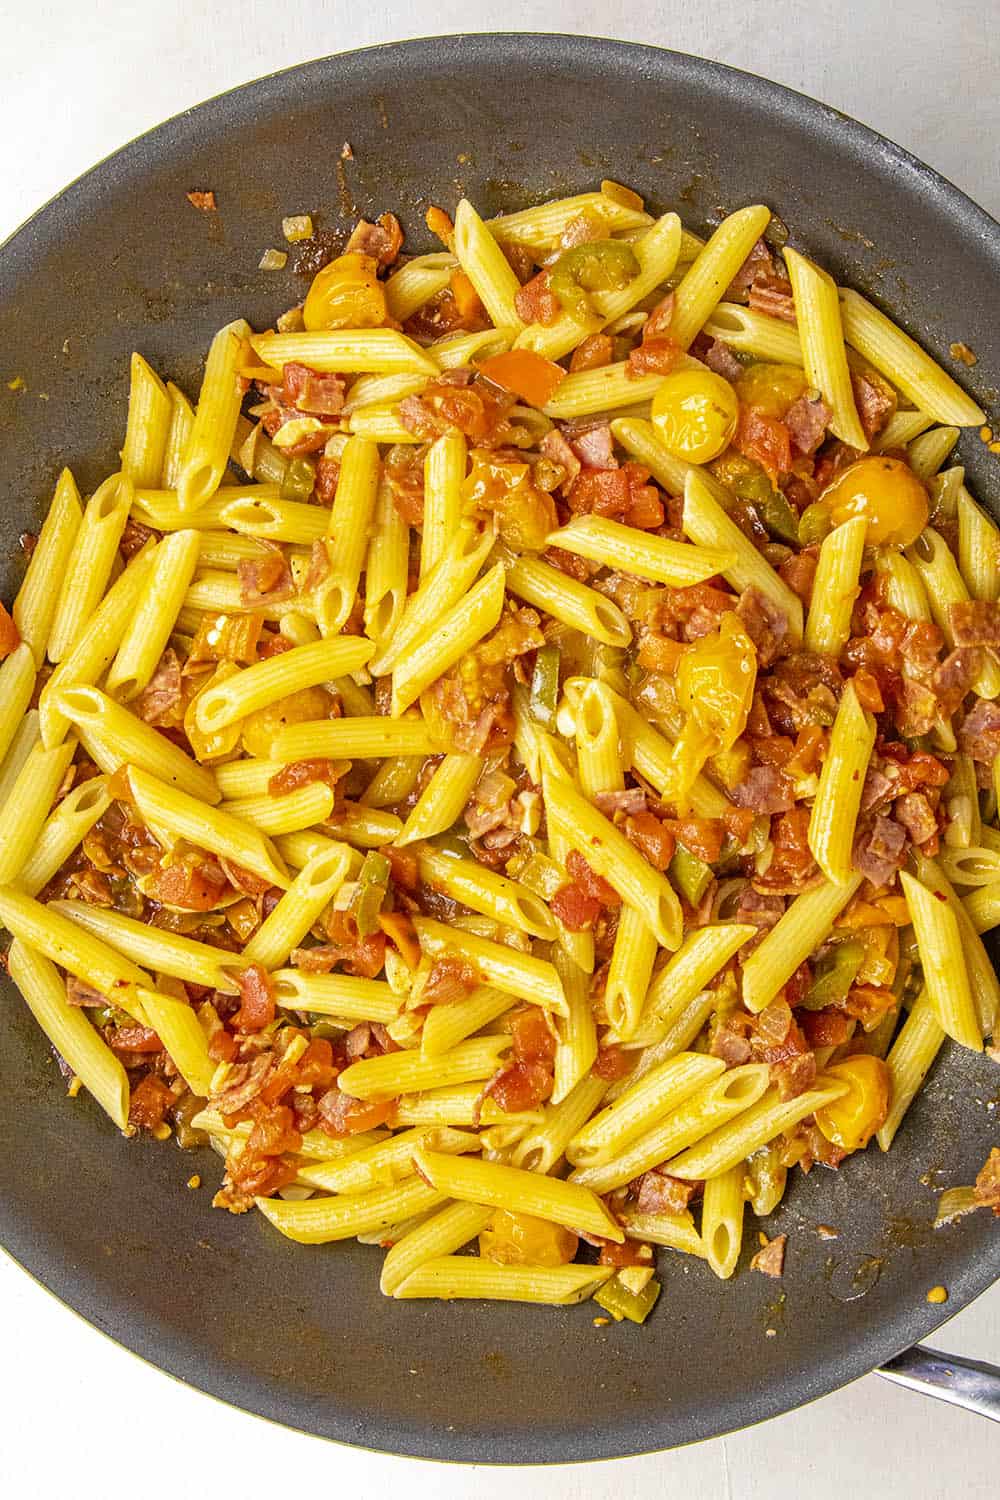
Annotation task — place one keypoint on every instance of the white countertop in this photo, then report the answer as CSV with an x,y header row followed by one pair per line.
x,y
76,81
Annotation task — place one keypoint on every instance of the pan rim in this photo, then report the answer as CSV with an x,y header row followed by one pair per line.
x,y
42,1261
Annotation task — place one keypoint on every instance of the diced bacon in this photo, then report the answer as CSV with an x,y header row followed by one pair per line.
x,y
880,852
555,447
479,410
875,402
979,733
987,1188
760,262
160,701
770,1259
720,358
78,993
134,1039
729,1039
535,301
917,816
794,1076
954,677
660,317
579,568
764,791
310,391
772,295
256,999
765,624
327,477
340,1115
825,1028
134,538
630,801
763,439
592,353
382,240
762,909
975,622
799,572
807,420
243,1084
531,1035
594,447
301,773
151,1098
659,1193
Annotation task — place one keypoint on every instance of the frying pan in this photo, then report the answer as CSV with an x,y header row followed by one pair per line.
x,y
121,261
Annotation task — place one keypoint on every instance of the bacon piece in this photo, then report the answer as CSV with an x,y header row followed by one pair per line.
x,y
631,800
874,400
729,1039
479,410
825,1028
160,703
917,816
134,1039
765,790
594,447
265,579
340,1115
134,538
987,1188
659,1193
799,572
300,773
807,420
955,675
975,622
770,1259
555,448
720,358
536,302
310,391
795,1075
256,999
772,295
151,1098
327,477
765,624
78,993
979,733
879,852
243,1083
382,240
759,262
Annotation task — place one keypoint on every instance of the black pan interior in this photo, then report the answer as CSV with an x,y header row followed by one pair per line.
x,y
121,261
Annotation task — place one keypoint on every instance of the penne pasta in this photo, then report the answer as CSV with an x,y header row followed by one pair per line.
x,y
150,411
541,227
978,549
386,569
629,973
155,947
797,934
817,312
88,569
70,1033
457,632
446,585
703,956
63,831
178,1028
444,1232
298,908
178,437
34,607
674,1231
74,949
320,1220
707,524
566,599
381,351
178,816
722,1220
895,355
447,1277
273,519
27,805
518,974
909,1061
704,284
450,1022
211,438
576,1032
303,808
410,1072
444,474
353,739
733,1142
939,942
486,266
386,1161
834,813
647,556
485,891
339,995
17,685
927,452
267,682
443,799
641,1107
835,588
754,333
347,535
414,284
518,1191
114,737
934,561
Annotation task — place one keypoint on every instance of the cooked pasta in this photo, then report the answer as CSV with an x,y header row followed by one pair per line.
x,y
513,764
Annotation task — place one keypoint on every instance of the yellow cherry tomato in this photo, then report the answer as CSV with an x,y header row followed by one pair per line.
x,y
258,729
771,388
346,294
851,1121
887,493
522,1240
695,413
715,681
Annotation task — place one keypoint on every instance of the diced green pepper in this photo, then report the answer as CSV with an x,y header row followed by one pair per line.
x,y
815,523
545,687
617,1300
372,886
690,875
834,975
298,480
600,266
779,517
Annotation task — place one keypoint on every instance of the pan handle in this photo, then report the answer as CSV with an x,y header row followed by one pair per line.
x,y
960,1382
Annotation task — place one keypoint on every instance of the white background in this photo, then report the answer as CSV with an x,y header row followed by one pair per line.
x,y
78,80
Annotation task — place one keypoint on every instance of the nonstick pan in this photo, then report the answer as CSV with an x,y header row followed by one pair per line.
x,y
121,261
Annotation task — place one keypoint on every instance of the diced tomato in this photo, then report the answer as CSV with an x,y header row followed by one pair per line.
x,y
536,302
403,866
520,1086
653,839
526,373
10,636
303,772
824,1028
531,1035
595,885
222,1046
702,837
658,653
612,1063
603,492
592,353
450,979
799,571
763,439
654,356
868,691
256,999
400,931
628,1253
574,908
151,1098
340,1115
470,308
363,957
738,823
134,1039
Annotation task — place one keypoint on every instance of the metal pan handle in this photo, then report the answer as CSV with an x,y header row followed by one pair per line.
x,y
960,1382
